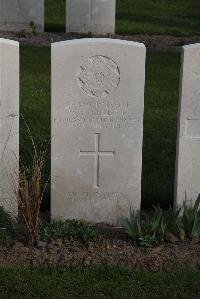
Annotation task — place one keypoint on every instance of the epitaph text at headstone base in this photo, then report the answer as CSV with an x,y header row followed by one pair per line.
x,y
97,128
9,124
187,185
91,16
18,15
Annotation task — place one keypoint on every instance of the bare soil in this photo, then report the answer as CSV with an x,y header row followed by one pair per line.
x,y
165,257
151,41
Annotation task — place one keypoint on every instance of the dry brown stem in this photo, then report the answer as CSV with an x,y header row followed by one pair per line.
x,y
30,194
30,190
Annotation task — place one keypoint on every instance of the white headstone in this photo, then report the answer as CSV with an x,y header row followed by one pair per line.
x,y
97,128
91,16
187,184
16,15
9,123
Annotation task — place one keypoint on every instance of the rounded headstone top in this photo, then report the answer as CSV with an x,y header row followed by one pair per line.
x,y
9,42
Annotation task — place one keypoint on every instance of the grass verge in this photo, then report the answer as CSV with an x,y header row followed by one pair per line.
x,y
103,282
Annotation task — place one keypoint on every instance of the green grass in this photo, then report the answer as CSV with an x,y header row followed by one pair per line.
x,y
177,17
104,282
161,100
35,94
55,15
160,121
35,101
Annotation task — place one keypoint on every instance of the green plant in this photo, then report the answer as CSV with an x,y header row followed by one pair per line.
x,y
32,28
142,231
132,226
6,239
74,230
191,219
6,221
174,223
152,227
7,227
148,241
187,224
155,224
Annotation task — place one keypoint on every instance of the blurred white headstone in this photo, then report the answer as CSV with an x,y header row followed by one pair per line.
x,y
9,123
91,16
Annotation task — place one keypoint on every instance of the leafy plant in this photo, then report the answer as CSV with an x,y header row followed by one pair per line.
x,y
132,226
148,241
186,225
74,230
6,221
32,27
7,227
174,223
191,219
152,227
6,239
156,224
141,231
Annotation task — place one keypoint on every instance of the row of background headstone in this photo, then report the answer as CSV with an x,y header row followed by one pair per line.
x,y
16,15
9,124
97,127
95,16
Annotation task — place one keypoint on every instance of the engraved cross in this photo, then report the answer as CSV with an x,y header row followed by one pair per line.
x,y
90,10
96,154
18,4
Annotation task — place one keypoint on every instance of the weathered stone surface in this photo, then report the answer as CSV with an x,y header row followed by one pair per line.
x,y
16,15
187,185
97,128
9,123
95,16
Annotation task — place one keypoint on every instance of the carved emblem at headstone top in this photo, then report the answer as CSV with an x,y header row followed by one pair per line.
x,y
99,76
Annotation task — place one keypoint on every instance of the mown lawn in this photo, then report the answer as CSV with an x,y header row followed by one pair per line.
x,y
177,17
160,123
161,98
104,282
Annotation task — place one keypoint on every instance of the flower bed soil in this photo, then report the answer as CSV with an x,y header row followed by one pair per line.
x,y
152,41
111,251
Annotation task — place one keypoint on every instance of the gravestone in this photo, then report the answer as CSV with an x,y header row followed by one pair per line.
x,y
90,16
9,123
16,15
97,128
187,186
